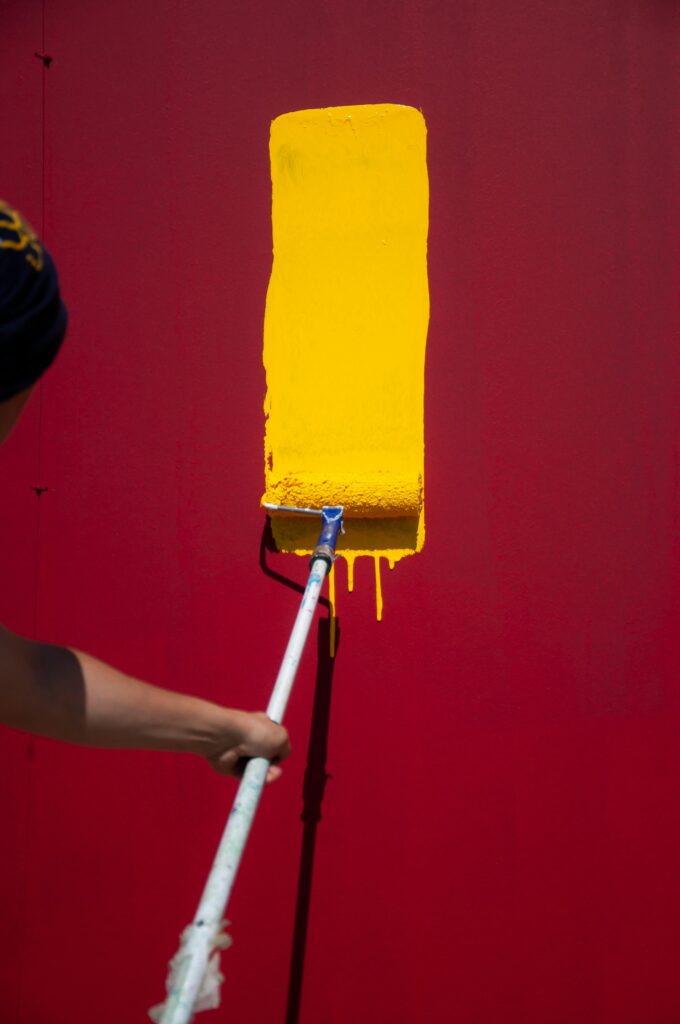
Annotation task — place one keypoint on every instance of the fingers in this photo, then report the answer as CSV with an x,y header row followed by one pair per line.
x,y
227,764
235,766
260,737
264,738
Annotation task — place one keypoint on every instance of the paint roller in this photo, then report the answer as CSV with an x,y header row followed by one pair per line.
x,y
382,496
194,980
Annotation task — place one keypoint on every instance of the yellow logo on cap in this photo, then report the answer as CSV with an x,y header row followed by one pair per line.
x,y
17,234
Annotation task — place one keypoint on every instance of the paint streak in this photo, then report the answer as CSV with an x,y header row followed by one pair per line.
x,y
333,616
378,589
346,326
350,572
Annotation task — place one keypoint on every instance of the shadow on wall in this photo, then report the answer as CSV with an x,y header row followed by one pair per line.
x,y
314,782
267,543
312,795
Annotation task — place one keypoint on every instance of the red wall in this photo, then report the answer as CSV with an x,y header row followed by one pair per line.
x,y
500,832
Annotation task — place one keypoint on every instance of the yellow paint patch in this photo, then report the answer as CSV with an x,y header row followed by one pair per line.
x,y
346,326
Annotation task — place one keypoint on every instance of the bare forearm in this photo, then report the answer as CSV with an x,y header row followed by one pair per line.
x,y
121,711
67,695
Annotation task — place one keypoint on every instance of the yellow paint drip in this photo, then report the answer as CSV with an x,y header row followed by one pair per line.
x,y
378,590
331,601
350,572
346,325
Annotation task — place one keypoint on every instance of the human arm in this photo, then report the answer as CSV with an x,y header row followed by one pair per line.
x,y
67,695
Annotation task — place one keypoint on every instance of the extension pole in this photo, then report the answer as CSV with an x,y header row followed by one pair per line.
x,y
207,923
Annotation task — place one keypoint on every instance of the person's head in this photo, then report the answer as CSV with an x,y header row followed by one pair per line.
x,y
32,315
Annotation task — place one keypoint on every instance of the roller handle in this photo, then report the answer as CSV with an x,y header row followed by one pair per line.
x,y
328,537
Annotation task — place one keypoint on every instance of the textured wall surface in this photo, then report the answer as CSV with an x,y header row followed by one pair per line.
x,y
499,835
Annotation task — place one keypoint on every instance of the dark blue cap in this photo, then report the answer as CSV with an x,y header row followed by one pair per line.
x,y
32,315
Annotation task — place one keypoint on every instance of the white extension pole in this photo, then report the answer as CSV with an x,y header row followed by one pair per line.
x,y
179,1006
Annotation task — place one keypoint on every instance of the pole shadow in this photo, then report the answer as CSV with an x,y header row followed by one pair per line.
x,y
314,782
312,798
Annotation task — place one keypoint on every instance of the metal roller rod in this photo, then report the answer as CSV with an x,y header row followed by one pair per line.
x,y
206,926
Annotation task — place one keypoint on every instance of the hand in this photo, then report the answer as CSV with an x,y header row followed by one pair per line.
x,y
256,736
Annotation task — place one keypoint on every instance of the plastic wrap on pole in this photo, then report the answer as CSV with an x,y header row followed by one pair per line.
x,y
206,926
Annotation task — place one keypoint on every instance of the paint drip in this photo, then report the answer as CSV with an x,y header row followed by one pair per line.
x,y
333,616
